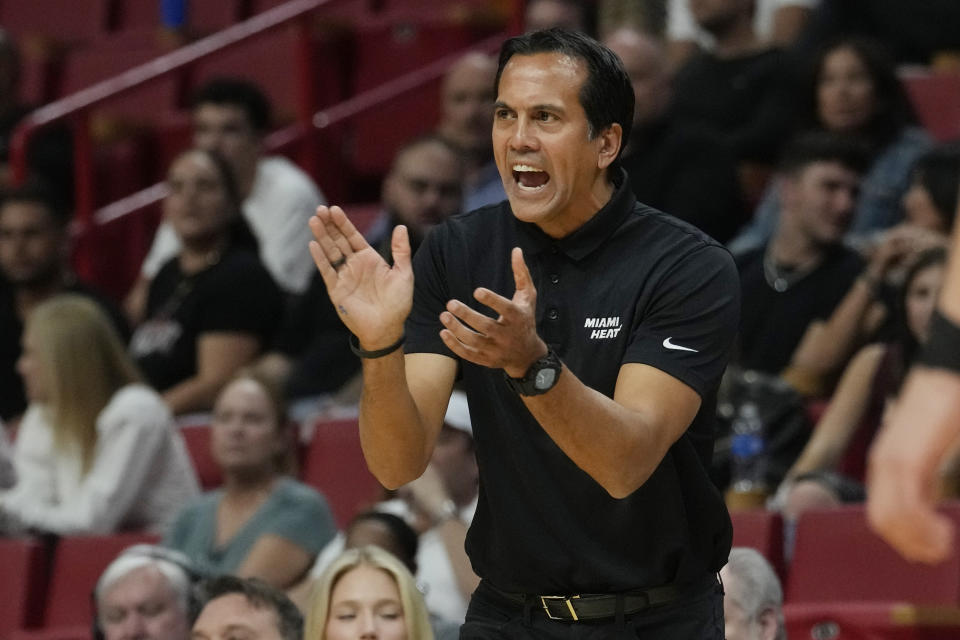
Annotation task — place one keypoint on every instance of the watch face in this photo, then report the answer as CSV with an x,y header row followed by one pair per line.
x,y
545,378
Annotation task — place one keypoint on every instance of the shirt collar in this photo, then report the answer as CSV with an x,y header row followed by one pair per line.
x,y
586,239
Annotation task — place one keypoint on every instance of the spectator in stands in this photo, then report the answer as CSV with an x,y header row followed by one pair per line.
x,y
685,171
261,523
804,271
213,307
872,379
753,598
575,15
97,451
311,356
741,90
50,151
389,532
780,23
34,250
232,607
231,117
367,592
853,90
865,311
466,119
440,506
146,592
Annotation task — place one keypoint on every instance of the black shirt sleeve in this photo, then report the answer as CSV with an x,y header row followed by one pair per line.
x,y
688,327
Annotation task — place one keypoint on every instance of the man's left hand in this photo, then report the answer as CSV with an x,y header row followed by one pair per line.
x,y
509,342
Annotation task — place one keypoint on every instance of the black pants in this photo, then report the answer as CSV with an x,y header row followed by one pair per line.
x,y
697,615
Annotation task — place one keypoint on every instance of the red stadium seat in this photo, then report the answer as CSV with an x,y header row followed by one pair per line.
x,y
78,562
936,98
871,621
837,558
334,464
762,530
22,589
62,20
197,438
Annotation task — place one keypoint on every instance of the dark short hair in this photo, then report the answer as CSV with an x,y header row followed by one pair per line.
x,y
822,146
606,95
938,171
35,191
403,534
260,595
236,92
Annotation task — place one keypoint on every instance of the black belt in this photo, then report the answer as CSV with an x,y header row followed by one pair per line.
x,y
594,606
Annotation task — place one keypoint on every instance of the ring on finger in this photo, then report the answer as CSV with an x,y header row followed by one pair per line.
x,y
339,262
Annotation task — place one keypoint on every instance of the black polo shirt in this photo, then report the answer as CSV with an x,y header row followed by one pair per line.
x,y
613,292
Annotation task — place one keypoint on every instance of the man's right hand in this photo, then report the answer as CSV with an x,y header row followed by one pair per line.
x,y
372,298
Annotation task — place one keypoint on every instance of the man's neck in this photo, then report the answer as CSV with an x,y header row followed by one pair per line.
x,y
738,39
791,248
246,176
28,296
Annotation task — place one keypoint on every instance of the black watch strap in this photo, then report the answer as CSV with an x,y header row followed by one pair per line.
x,y
539,378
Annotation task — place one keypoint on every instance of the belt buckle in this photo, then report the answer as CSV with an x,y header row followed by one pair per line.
x,y
566,600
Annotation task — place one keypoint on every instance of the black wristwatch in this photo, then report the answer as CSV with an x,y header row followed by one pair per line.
x,y
539,378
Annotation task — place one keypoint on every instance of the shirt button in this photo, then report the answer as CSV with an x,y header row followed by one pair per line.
x,y
554,278
553,314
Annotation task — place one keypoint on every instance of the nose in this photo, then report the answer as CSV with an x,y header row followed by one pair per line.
x,y
133,627
523,138
368,626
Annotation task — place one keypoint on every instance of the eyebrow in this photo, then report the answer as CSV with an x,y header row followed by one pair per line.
x,y
499,104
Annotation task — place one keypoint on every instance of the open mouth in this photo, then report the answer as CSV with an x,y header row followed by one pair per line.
x,y
530,178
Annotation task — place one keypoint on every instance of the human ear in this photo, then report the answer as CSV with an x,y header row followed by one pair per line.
x,y
610,140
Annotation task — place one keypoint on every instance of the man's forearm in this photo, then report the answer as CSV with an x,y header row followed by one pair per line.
x,y
398,436
618,446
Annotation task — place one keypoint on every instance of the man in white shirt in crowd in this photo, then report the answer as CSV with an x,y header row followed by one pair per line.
x,y
231,117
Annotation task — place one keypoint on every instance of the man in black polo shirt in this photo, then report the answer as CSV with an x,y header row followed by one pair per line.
x,y
589,332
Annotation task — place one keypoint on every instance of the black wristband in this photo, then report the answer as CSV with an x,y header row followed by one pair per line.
x,y
379,353
942,350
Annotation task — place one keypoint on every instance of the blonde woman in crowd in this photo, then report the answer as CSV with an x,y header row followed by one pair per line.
x,y
367,592
97,450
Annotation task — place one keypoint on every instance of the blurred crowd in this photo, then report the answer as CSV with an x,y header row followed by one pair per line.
x,y
779,127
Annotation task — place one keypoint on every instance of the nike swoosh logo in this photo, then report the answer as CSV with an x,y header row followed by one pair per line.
x,y
669,345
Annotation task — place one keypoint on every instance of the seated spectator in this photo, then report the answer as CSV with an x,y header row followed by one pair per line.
x,y
389,532
439,506
574,15
466,118
803,272
367,592
261,523
843,435
853,90
753,598
424,186
97,451
231,116
684,171
231,607
775,22
213,307
146,592
742,89
34,265
865,311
